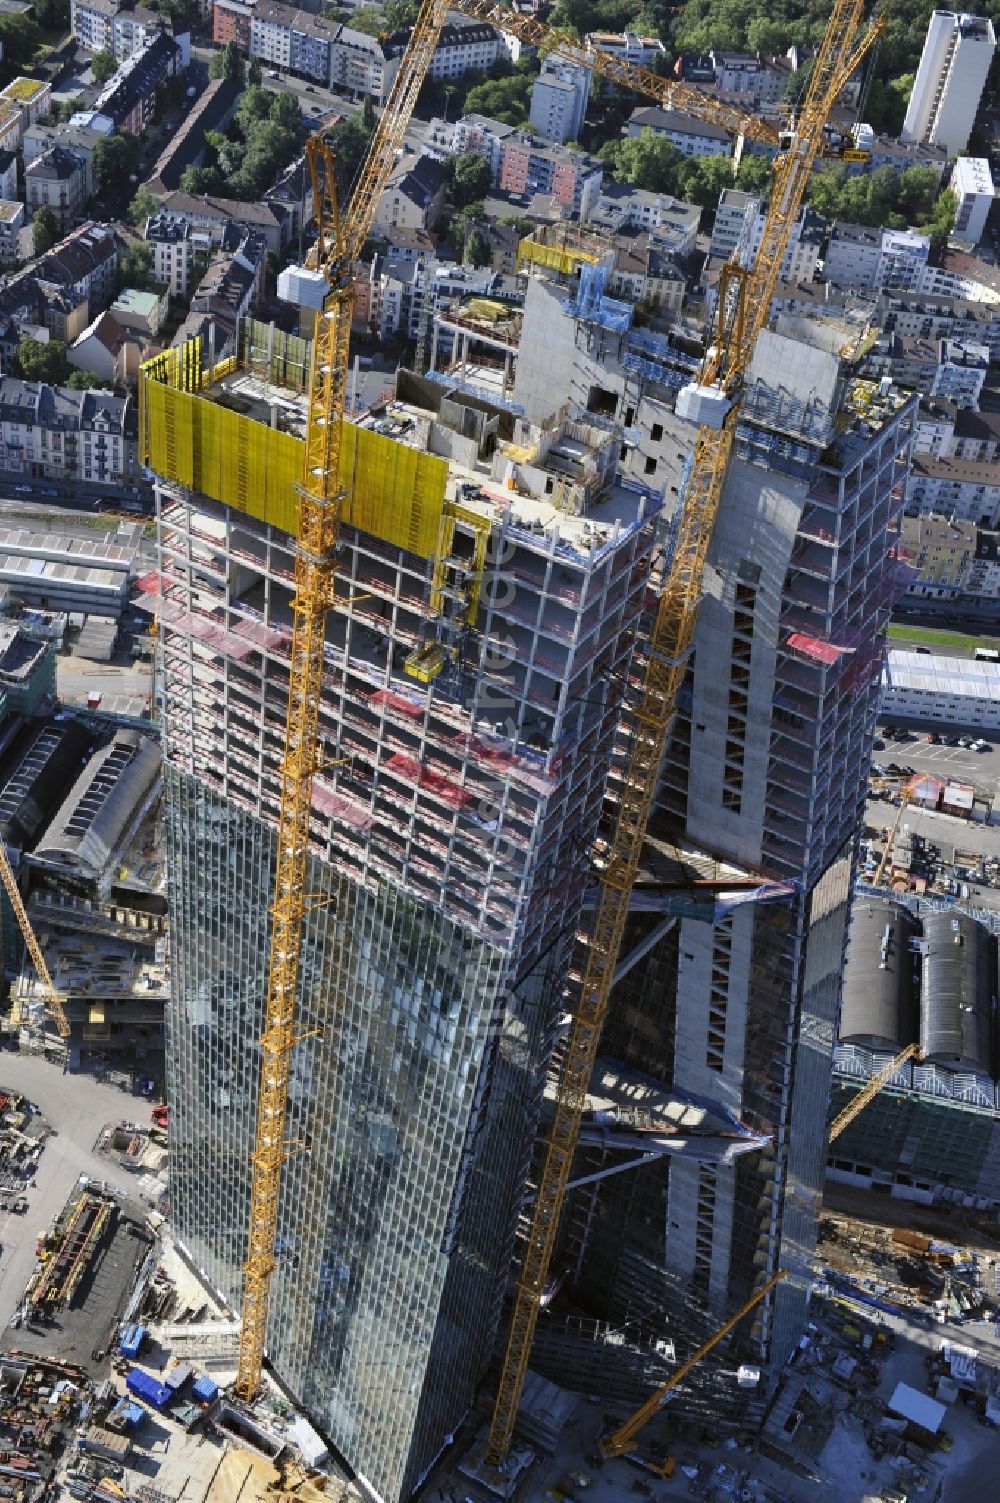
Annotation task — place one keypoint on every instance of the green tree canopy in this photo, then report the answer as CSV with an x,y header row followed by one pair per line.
x,y
143,206
477,248
114,159
506,99
645,161
227,63
469,178
43,362
349,139
21,38
255,73
44,230
102,66
370,19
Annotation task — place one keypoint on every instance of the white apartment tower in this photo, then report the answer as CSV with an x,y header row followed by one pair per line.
x,y
559,101
953,66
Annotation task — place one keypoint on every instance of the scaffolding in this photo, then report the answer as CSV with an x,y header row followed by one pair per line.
x,y
68,1253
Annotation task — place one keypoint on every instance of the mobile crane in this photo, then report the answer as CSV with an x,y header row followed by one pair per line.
x,y
623,1440
856,1106
54,1000
340,241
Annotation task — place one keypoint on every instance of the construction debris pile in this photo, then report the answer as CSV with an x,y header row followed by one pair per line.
x,y
40,1401
22,1138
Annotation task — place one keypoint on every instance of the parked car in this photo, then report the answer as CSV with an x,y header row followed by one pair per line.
x,y
933,737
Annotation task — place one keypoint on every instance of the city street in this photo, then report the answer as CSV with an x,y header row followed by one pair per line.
x,y
77,1106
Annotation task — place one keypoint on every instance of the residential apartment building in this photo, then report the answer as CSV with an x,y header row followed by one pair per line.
x,y
363,65
128,99
232,21
766,770
621,208
693,138
629,47
481,134
8,175
572,178
120,27
972,185
414,195
56,180
12,221
451,850
53,433
173,248
559,101
739,223
293,41
940,317
78,139
942,551
952,71
739,73
964,489
874,259
464,47
31,97
961,372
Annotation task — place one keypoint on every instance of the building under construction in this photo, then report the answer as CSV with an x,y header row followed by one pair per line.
x,y
477,651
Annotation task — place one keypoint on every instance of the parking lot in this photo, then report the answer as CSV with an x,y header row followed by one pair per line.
x,y
912,749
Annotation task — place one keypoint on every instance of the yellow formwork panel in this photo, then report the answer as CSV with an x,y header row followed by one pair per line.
x,y
392,491
554,257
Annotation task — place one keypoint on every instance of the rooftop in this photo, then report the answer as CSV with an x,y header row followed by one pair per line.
x,y
10,209
24,89
929,674
651,118
133,300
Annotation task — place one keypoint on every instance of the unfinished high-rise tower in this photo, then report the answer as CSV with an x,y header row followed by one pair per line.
x,y
733,1003
476,656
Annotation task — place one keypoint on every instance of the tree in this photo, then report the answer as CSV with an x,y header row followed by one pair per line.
x,y
20,38
102,66
227,64
254,105
942,220
44,230
504,99
199,180
115,158
349,139
477,248
469,178
136,266
143,206
369,119
52,15
645,161
42,362
369,19
255,73
82,381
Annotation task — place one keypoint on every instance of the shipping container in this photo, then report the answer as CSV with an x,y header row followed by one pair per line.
x,y
205,1390
148,1388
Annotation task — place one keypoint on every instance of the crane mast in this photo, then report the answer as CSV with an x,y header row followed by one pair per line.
x,y
340,242
867,1094
666,660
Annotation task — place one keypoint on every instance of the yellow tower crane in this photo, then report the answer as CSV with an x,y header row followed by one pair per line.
x,y
856,1106
54,1001
340,242
623,1440
341,239
670,643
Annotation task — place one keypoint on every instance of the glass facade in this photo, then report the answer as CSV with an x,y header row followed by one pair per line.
x,y
417,1078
